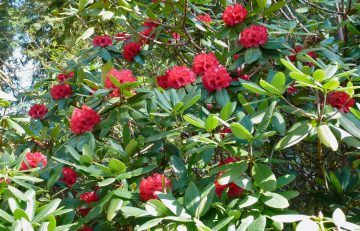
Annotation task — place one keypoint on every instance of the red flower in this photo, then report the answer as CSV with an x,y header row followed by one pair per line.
x,y
245,77
123,76
291,89
60,91
147,35
151,184
204,18
163,81
297,49
85,228
89,197
236,56
83,120
225,131
180,76
131,49
234,14
341,101
253,36
62,77
33,160
176,36
216,78
122,36
204,61
38,111
84,211
234,190
151,23
69,176
102,41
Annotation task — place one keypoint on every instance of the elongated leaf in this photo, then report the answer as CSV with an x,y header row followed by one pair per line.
x,y
258,224
327,137
274,200
47,210
194,121
349,126
252,55
264,177
249,200
192,198
252,87
173,205
245,223
114,207
240,131
278,81
294,137
232,174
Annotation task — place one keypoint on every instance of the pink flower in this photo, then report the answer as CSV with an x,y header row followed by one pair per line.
x,y
38,111
33,160
253,36
176,36
234,15
151,184
204,18
83,120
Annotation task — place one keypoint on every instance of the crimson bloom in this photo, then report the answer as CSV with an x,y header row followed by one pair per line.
x,y
234,15
85,228
253,36
83,120
341,100
179,76
88,197
204,18
61,91
131,49
63,76
33,160
291,89
216,78
163,81
124,76
122,36
69,176
204,61
151,184
234,190
38,111
151,23
102,41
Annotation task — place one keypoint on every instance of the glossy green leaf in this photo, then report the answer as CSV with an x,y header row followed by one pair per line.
x,y
264,177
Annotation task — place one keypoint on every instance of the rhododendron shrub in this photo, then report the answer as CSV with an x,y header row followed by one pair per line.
x,y
189,115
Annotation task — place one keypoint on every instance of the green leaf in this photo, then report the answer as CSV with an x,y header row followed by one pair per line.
x,y
131,148
90,31
73,152
47,210
284,180
258,224
222,97
7,217
222,223
264,177
307,225
319,75
327,137
278,123
339,217
270,88
252,54
335,182
274,200
248,108
331,70
19,213
298,76
245,223
17,127
191,119
151,223
129,211
206,199
349,126
18,194
249,200
173,205
211,123
278,81
116,165
294,137
332,84
156,208
288,218
266,119
114,207
192,198
227,110
252,87
244,183
241,132
345,137
232,174
289,66
136,172
106,182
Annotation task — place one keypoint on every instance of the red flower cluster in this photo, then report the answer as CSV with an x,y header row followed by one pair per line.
x,y
33,160
131,49
204,18
176,77
204,61
102,41
122,36
234,14
124,76
299,48
216,78
146,35
151,23
341,101
291,89
83,120
38,111
88,197
151,184
176,36
253,36
234,190
86,228
69,176
60,91
62,77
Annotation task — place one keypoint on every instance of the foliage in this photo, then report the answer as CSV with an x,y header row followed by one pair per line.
x,y
269,142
